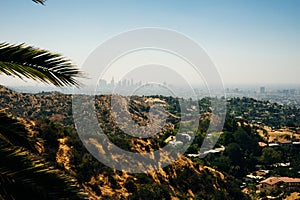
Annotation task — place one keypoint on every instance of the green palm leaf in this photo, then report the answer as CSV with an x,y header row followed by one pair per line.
x,y
25,176
13,132
39,1
37,64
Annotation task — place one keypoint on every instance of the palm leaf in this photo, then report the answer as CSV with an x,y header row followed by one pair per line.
x,y
39,1
13,132
37,64
25,176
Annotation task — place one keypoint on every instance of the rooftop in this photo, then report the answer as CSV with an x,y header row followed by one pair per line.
x,y
274,180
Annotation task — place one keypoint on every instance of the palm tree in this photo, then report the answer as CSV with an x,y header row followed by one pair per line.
x,y
23,173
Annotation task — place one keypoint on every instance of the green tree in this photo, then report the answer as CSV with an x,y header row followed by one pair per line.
x,y
233,151
270,156
238,162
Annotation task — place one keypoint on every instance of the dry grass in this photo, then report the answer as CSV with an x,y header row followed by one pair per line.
x,y
279,135
293,196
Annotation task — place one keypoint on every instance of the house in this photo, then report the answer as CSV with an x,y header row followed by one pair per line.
x,y
291,183
284,183
269,184
273,145
282,164
175,143
217,151
252,178
296,144
183,137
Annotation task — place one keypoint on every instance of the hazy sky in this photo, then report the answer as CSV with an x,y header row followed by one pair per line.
x,y
250,42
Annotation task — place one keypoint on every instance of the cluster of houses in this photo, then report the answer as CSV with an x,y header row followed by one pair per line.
x,y
268,184
182,138
271,184
260,178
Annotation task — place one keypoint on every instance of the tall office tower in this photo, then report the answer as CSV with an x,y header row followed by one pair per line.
x,y
262,90
112,82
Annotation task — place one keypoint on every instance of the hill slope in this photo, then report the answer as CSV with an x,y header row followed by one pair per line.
x,y
51,119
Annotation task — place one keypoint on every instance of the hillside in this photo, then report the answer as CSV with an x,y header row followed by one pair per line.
x,y
50,119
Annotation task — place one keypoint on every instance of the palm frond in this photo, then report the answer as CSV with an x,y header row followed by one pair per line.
x,y
23,173
25,176
14,133
39,1
37,64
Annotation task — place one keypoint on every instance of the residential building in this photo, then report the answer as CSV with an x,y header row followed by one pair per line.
x,y
284,183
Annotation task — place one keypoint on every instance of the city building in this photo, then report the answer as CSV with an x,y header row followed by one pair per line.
x,y
102,83
112,82
262,90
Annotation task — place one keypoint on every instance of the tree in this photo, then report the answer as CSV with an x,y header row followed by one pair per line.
x,y
233,151
270,156
238,162
23,173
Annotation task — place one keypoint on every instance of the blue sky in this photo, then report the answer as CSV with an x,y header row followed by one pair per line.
x,y
250,42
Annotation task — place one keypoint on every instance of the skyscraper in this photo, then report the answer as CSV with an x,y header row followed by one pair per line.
x,y
262,90
112,82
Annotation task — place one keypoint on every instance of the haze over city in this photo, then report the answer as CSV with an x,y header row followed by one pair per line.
x,y
250,43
